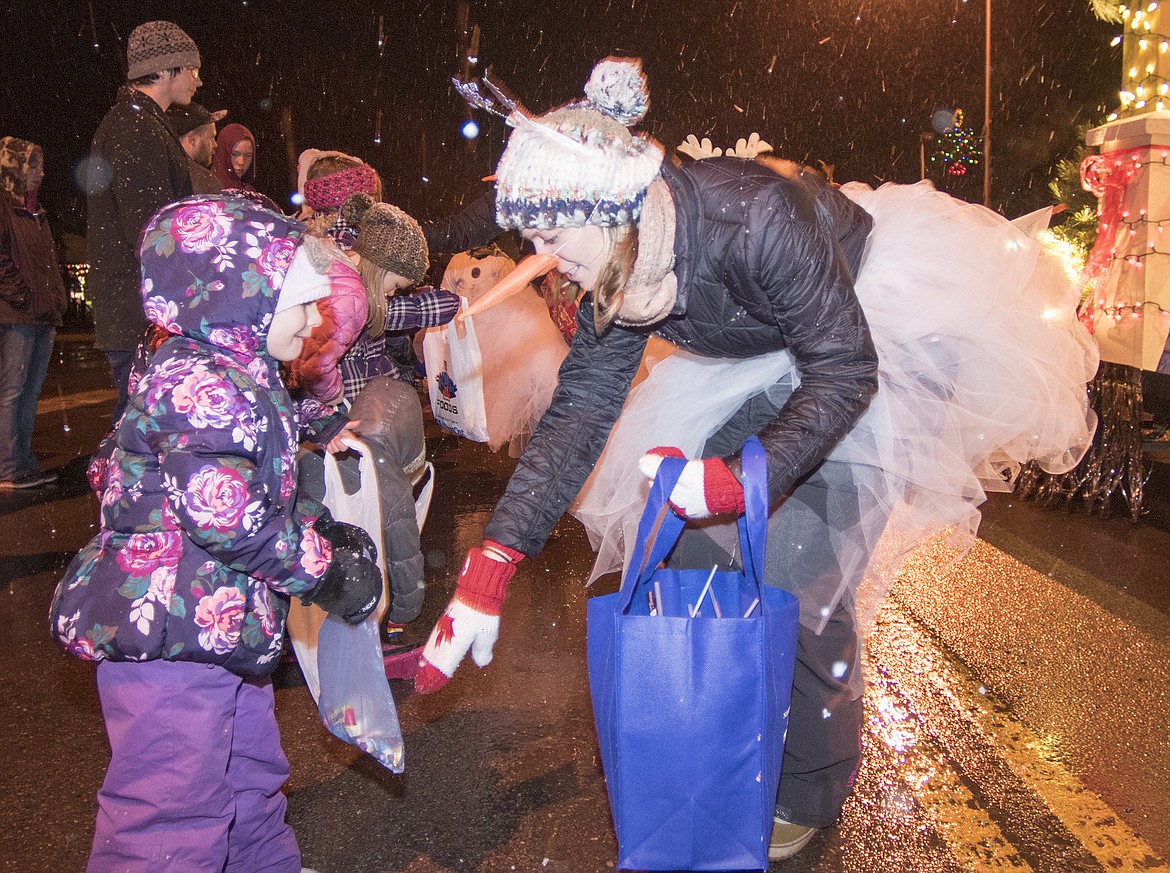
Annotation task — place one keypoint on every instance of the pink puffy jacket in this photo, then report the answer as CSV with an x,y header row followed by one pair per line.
x,y
343,315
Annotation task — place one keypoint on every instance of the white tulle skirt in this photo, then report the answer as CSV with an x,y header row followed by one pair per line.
x,y
983,367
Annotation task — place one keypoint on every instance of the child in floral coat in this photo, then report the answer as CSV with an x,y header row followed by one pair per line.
x,y
182,597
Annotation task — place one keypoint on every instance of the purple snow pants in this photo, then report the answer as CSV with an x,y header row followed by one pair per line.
x,y
195,773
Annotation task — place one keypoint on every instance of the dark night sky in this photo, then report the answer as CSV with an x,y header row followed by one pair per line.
x,y
849,82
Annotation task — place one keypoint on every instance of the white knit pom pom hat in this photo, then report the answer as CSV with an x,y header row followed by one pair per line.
x,y
579,164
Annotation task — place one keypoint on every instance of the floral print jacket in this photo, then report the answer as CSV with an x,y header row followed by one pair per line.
x,y
202,536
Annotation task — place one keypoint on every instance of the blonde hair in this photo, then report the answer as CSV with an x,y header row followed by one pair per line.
x,y
609,292
374,278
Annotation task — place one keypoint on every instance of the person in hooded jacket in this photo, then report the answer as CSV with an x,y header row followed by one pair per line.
x,y
181,599
32,301
234,163
756,274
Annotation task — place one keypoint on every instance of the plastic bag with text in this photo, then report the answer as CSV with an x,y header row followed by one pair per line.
x,y
455,379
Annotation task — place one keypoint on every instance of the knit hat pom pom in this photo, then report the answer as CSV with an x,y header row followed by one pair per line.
x,y
617,88
355,207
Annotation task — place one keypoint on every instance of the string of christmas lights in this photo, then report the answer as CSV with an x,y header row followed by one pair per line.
x,y
1118,312
1110,176
1145,48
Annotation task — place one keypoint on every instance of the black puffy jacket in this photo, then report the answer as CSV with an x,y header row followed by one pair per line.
x,y
764,263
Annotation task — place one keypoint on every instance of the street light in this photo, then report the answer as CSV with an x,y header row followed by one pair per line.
x,y
987,108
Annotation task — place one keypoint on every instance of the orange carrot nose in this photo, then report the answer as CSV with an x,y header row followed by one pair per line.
x,y
525,271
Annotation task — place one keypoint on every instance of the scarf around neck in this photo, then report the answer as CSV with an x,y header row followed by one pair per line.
x,y
652,288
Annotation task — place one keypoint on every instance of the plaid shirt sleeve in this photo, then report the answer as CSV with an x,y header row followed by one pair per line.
x,y
423,309
343,233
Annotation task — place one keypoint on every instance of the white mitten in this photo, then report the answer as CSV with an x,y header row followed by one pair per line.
x,y
461,628
472,618
705,488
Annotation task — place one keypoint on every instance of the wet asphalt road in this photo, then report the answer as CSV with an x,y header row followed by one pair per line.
x,y
1017,710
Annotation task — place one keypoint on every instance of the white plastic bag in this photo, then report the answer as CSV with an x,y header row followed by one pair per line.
x,y
356,705
342,663
362,508
455,378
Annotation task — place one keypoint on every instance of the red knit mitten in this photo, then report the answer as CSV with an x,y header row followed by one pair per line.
x,y
472,618
705,488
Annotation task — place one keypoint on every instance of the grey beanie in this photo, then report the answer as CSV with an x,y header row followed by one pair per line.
x,y
157,46
388,237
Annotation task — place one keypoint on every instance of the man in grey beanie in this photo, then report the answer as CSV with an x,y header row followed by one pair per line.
x,y
136,166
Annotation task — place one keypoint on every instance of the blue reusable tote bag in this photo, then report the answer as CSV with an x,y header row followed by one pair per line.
x,y
691,711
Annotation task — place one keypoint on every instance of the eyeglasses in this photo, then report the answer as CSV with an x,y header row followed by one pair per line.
x,y
194,71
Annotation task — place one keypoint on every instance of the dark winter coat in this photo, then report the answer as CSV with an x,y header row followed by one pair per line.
x,y
203,181
395,436
202,535
474,225
763,263
392,429
31,288
136,166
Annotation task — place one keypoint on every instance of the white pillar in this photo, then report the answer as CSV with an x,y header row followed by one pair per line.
x,y
1131,311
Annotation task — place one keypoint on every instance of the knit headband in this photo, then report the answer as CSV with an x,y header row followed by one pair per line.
x,y
329,192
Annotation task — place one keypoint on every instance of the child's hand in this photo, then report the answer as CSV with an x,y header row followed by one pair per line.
x,y
352,586
472,618
337,445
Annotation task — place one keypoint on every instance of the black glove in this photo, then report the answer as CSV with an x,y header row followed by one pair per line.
x,y
352,586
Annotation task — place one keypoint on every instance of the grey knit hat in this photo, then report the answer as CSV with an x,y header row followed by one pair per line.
x,y
387,236
157,46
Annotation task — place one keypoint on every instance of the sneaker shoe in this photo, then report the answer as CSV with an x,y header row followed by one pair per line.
x,y
29,480
787,839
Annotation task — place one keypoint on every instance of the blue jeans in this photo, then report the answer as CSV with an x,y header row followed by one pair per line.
x,y
25,350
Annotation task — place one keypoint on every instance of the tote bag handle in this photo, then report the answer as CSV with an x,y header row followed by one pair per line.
x,y
660,527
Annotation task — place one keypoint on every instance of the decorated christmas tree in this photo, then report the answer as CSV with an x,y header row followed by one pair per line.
x,y
958,150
